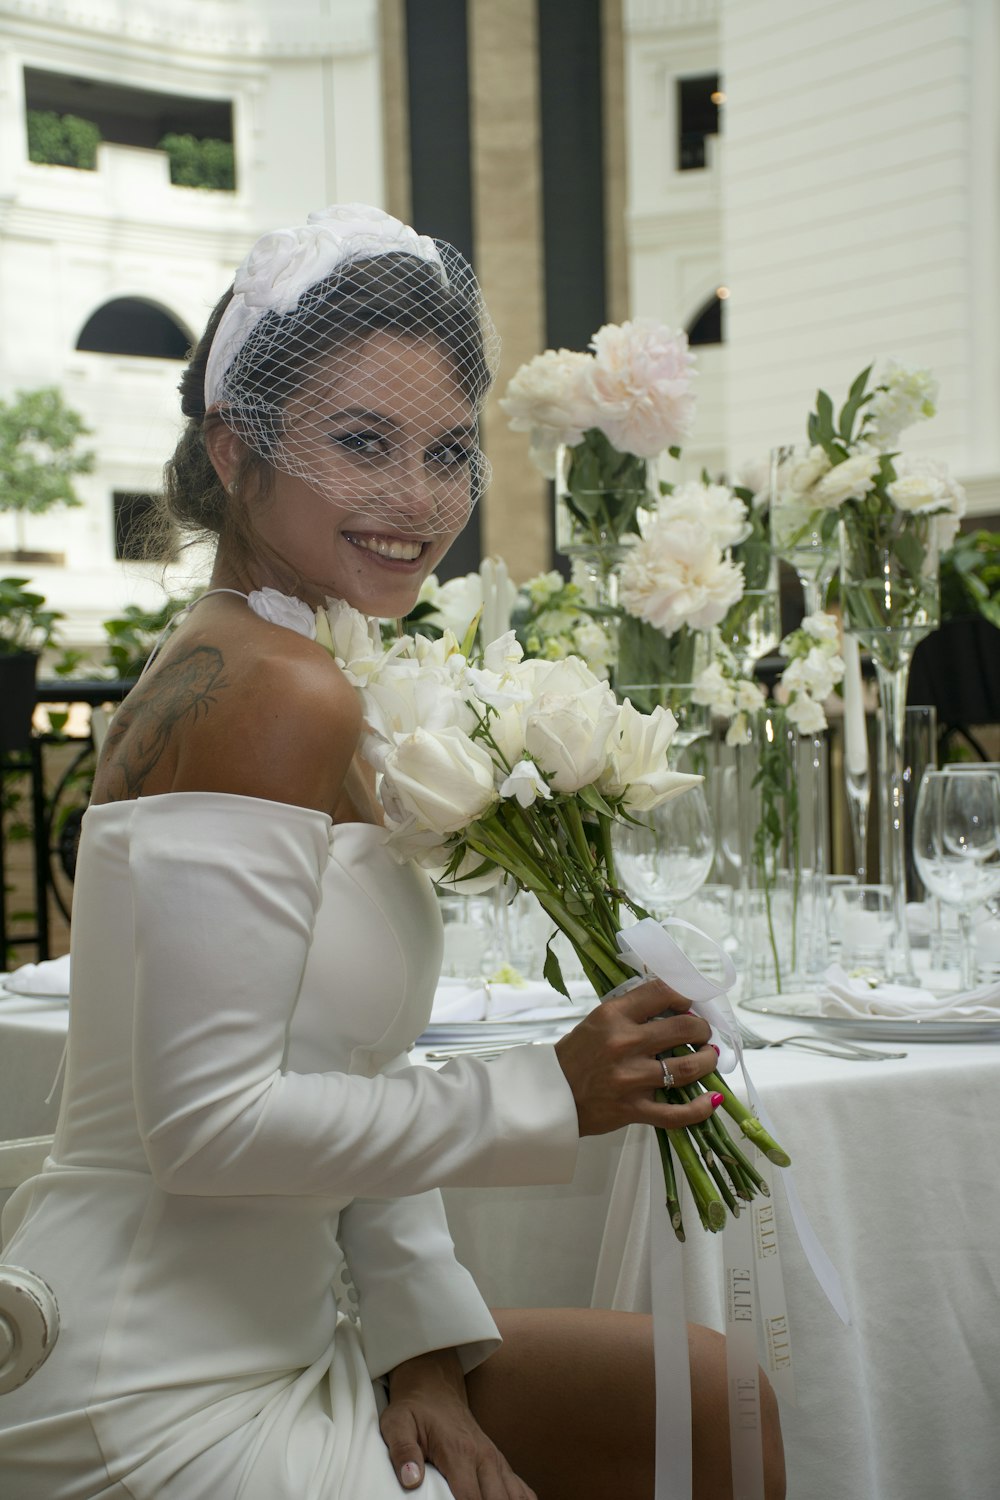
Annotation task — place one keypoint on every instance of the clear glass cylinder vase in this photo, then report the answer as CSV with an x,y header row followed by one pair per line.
x,y
890,600
783,800
602,498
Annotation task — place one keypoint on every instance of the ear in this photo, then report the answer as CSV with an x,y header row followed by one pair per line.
x,y
225,450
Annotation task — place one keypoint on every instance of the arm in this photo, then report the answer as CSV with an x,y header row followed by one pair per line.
x,y
225,892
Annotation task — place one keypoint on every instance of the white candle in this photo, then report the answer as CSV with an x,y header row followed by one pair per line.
x,y
855,726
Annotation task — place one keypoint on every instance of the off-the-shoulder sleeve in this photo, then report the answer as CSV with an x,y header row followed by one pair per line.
x,y
224,900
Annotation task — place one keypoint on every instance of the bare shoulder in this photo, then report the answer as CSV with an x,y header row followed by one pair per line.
x,y
286,728
239,705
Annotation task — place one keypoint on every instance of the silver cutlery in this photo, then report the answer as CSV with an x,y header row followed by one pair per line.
x,y
810,1042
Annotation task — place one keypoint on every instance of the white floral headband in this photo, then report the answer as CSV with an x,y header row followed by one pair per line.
x,y
285,263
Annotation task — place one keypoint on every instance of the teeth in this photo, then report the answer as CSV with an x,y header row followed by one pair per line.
x,y
390,547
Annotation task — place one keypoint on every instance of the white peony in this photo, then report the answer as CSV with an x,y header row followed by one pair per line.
x,y
549,397
714,506
850,480
677,575
640,381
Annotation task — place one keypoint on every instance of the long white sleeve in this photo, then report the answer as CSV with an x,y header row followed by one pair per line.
x,y
225,892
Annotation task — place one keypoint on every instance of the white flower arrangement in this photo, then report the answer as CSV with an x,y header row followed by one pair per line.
x,y
634,389
815,667
520,767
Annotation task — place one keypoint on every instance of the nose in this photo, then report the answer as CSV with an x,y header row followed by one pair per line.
x,y
416,499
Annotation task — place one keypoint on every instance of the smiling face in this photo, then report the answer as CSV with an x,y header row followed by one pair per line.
x,y
374,478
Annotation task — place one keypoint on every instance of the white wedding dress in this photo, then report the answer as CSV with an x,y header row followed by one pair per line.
x,y
238,1117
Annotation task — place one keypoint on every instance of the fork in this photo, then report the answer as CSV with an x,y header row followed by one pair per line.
x,y
810,1042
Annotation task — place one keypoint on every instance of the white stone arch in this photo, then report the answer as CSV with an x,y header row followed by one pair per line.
x,y
156,305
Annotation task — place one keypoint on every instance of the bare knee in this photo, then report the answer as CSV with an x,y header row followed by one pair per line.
x,y
710,1421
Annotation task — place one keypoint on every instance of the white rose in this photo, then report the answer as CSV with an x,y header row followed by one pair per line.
x,y
806,714
804,470
568,736
640,382
847,481
924,486
403,698
280,609
525,784
441,777
637,768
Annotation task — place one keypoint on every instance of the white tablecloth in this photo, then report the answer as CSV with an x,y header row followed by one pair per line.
x,y
896,1163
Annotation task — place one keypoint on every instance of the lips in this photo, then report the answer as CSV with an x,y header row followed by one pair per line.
x,y
396,549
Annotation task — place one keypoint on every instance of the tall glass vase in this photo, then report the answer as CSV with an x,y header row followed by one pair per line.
x,y
890,599
655,670
782,804
752,627
602,499
798,533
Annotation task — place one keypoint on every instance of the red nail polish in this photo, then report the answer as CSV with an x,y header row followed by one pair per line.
x,y
715,1049
718,1099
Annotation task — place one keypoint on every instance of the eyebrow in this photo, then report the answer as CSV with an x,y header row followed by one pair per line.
x,y
375,418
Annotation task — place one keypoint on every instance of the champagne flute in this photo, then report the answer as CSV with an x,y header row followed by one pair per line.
x,y
956,847
665,855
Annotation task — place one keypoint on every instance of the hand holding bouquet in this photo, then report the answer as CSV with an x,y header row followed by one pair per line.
x,y
517,769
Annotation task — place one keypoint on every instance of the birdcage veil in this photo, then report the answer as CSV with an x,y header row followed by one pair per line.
x,y
355,290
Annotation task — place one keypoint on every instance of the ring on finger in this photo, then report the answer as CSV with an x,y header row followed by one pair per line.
x,y
669,1081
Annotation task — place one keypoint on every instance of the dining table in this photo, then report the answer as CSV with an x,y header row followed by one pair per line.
x,y
894,1160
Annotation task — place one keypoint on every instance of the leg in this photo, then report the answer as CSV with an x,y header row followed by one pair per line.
x,y
569,1400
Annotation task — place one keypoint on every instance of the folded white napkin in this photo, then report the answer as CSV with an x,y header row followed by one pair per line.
x,y
844,995
465,1000
49,978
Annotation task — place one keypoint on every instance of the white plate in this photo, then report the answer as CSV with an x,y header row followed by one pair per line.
x,y
440,1033
804,1007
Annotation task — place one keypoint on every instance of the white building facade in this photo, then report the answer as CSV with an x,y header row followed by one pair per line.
x,y
302,80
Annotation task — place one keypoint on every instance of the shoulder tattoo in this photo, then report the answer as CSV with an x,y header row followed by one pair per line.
x,y
184,688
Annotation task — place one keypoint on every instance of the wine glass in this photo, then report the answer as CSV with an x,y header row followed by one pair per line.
x,y
665,855
956,847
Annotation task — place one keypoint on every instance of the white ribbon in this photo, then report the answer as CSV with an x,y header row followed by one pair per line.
x,y
752,1247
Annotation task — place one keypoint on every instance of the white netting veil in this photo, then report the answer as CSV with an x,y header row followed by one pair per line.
x,y
356,354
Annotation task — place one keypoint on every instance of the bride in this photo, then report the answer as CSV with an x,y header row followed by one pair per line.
x,y
240,1216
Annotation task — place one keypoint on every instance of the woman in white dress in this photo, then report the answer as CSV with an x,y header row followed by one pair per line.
x,y
240,1215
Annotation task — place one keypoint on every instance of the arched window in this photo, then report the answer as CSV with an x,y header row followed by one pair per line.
x,y
128,325
706,326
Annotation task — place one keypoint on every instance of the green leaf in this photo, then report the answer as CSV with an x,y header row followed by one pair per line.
x,y
552,973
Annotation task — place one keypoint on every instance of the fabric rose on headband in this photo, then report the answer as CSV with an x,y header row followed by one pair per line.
x,y
284,264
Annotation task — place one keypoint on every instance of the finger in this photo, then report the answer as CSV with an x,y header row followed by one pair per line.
x,y
649,999
651,1110
399,1433
686,1068
685,1030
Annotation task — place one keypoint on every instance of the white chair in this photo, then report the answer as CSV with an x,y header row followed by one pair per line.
x,y
29,1313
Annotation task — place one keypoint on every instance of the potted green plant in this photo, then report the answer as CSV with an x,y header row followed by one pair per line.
x,y
40,457
27,627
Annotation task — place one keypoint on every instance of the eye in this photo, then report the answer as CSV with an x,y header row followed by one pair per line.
x,y
368,443
450,455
